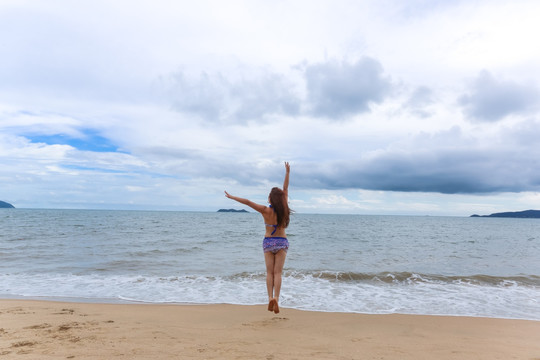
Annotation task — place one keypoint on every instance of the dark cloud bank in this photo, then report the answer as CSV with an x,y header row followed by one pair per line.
x,y
446,170
449,162
461,169
447,173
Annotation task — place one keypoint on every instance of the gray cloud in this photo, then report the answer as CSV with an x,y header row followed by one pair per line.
x,y
465,168
205,96
492,100
271,94
195,163
216,98
421,97
334,90
337,90
450,172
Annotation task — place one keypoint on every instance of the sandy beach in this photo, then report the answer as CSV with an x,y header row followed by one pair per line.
x,y
43,330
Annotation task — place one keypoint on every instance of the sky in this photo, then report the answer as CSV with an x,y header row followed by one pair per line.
x,y
381,107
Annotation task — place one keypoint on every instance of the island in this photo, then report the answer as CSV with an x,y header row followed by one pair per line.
x,y
5,205
233,210
526,214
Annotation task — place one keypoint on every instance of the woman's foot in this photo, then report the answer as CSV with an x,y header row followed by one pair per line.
x,y
276,306
271,305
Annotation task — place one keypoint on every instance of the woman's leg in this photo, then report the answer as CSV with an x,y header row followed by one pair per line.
x,y
269,260
279,261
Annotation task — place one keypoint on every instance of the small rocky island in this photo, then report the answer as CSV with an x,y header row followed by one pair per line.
x,y
5,205
232,210
526,214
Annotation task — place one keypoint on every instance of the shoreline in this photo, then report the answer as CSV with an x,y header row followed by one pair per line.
x,y
81,330
111,301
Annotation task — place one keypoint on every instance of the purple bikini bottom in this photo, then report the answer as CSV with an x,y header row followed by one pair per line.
x,y
274,244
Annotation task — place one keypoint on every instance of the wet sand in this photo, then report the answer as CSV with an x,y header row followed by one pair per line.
x,y
46,330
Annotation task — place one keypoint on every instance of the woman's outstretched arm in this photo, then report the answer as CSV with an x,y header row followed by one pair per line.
x,y
286,181
251,204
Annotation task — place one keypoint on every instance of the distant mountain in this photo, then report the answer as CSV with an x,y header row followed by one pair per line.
x,y
232,210
5,205
527,214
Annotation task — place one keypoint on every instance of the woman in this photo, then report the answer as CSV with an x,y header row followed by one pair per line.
x,y
275,243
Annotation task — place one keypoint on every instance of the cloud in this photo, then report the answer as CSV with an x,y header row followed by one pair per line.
x,y
218,98
339,89
334,90
446,172
335,201
62,175
74,53
41,122
447,163
419,100
491,99
422,8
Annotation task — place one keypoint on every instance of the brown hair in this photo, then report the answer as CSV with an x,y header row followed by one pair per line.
x,y
281,207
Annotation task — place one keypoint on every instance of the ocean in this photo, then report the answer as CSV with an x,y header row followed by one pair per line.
x,y
460,266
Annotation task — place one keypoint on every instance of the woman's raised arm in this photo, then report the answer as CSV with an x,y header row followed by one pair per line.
x,y
286,181
251,204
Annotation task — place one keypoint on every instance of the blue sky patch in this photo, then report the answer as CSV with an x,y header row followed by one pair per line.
x,y
90,142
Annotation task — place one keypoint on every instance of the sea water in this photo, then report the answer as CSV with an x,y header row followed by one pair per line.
x,y
342,263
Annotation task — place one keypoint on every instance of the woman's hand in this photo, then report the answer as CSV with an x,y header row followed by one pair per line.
x,y
286,180
228,195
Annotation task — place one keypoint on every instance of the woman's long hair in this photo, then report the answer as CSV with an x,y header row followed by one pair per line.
x,y
280,206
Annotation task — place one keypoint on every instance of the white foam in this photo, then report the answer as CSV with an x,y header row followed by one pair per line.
x,y
306,292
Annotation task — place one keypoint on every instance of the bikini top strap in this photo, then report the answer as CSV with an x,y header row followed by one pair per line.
x,y
274,226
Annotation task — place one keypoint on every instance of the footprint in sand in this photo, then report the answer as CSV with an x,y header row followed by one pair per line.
x,y
268,322
65,312
23,344
39,326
